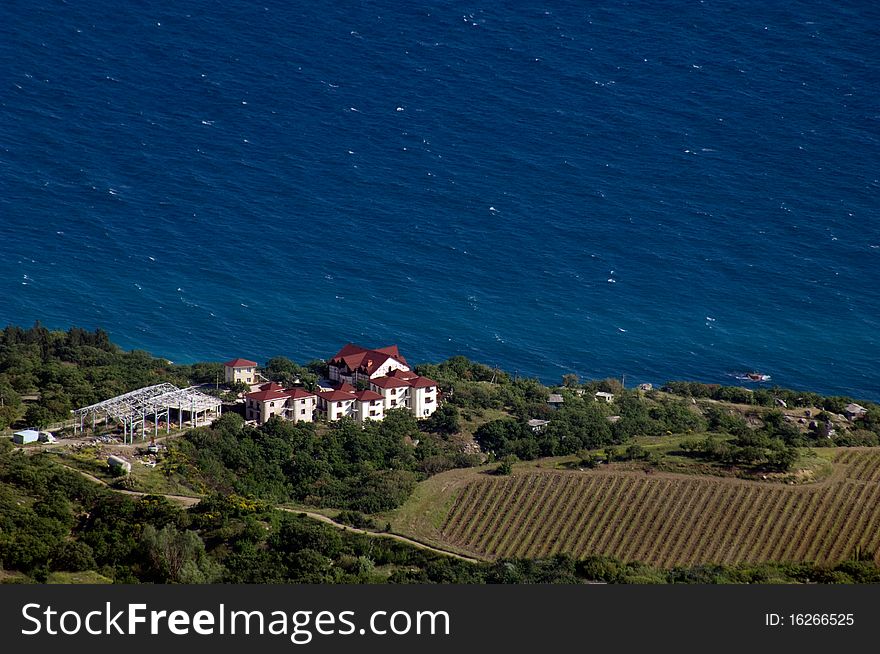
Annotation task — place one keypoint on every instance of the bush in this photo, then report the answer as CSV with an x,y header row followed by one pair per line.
x,y
355,519
506,466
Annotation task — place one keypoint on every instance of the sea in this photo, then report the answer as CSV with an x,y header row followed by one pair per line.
x,y
648,191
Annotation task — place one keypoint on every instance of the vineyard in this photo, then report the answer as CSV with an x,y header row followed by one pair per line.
x,y
666,519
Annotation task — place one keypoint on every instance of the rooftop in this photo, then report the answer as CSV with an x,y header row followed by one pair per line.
x,y
855,408
265,396
356,357
336,396
240,363
367,396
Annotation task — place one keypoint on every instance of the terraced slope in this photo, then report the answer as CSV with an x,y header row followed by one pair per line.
x,y
666,519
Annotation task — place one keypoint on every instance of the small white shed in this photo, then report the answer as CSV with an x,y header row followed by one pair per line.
x,y
26,436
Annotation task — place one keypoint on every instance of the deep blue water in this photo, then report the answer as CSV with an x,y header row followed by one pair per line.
x,y
208,180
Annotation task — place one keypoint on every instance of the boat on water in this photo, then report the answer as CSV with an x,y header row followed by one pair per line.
x,y
753,377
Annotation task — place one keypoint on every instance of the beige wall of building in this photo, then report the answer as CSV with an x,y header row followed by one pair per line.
x,y
246,375
302,409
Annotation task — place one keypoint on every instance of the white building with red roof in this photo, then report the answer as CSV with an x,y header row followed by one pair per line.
x,y
355,363
392,385
295,404
404,388
240,370
370,406
335,405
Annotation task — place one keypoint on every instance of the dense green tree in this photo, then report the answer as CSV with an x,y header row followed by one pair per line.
x,y
445,420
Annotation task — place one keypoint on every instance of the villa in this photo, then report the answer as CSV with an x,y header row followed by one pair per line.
x,y
345,401
294,404
404,388
354,363
240,370
392,385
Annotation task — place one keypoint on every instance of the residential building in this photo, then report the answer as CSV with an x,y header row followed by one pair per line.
x,y
406,389
369,405
555,400
392,385
354,363
301,405
537,425
240,370
336,404
603,396
295,404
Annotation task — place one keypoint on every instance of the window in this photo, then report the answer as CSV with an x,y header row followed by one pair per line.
x,y
372,413
430,389
428,400
339,404
393,402
271,404
302,401
303,411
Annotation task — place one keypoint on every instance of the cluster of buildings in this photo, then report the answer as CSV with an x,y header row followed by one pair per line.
x,y
362,384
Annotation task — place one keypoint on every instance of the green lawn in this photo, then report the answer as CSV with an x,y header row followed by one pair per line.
x,y
87,577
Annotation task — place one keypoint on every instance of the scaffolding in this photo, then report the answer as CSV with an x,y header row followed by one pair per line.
x,y
132,409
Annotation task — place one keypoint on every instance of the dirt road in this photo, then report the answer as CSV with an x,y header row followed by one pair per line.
x,y
192,501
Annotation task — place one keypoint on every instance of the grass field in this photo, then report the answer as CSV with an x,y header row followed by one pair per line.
x,y
661,518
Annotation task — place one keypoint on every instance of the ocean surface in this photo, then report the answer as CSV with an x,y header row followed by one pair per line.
x,y
658,190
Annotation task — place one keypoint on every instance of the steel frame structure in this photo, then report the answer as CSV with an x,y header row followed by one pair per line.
x,y
153,401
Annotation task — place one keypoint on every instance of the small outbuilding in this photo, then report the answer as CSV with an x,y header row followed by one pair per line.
x,y
26,436
854,411
537,425
603,396
555,400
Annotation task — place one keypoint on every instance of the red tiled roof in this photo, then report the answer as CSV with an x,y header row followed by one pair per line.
x,y
343,386
422,382
402,374
367,396
355,357
240,363
271,386
299,393
265,396
390,382
335,396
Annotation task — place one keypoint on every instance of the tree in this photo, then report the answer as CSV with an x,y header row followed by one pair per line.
x,y
38,416
571,380
177,556
445,420
74,556
506,465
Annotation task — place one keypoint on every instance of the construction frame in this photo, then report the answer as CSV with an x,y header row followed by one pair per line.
x,y
132,409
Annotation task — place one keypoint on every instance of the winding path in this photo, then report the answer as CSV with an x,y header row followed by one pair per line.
x,y
192,501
